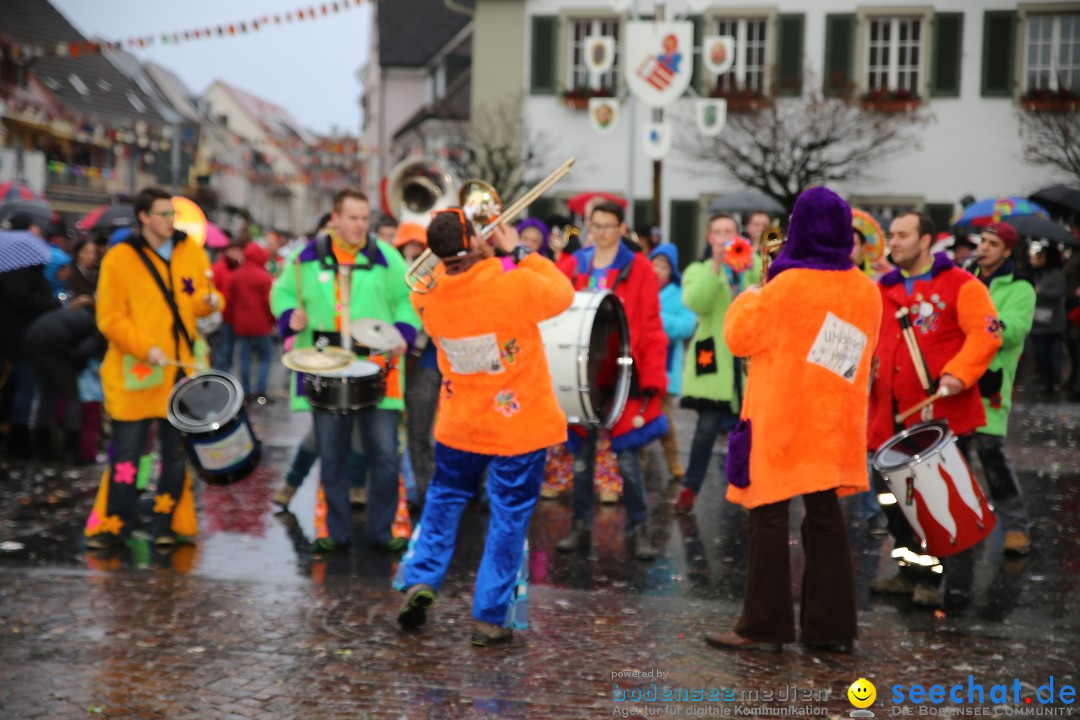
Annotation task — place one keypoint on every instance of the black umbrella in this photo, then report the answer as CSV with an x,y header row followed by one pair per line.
x,y
746,201
1061,200
40,212
1034,226
109,218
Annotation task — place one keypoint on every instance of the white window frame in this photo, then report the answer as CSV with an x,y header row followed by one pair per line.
x,y
738,72
1053,64
893,70
571,70
864,15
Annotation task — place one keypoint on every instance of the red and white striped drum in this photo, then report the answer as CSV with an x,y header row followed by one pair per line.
x,y
935,489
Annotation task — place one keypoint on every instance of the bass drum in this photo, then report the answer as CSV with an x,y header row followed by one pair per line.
x,y
208,410
588,354
935,489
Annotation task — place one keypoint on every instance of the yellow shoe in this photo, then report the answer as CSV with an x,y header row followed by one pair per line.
x,y
607,497
549,492
1016,543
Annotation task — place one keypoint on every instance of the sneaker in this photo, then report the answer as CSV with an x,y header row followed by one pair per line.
x,y
895,585
165,540
103,541
358,497
1016,543
927,596
877,526
685,503
326,546
486,634
640,546
608,497
283,496
580,538
413,611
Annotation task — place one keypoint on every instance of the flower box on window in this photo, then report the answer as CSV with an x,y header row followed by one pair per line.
x,y
1050,101
890,101
744,100
578,98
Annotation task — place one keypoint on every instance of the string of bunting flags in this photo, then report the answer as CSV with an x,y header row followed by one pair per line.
x,y
26,51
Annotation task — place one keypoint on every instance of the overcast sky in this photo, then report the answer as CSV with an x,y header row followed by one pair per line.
x,y
308,67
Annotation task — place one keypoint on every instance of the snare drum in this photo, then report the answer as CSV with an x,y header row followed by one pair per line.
x,y
208,410
354,387
588,353
935,489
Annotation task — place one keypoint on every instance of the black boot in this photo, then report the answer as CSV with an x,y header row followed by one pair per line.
x,y
18,443
73,447
580,538
640,546
43,444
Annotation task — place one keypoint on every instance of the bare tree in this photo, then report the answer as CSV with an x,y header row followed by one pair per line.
x,y
1051,137
792,144
497,147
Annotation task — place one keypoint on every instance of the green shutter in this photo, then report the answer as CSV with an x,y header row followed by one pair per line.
x,y
789,56
684,230
941,214
999,50
545,48
947,54
642,212
839,54
699,71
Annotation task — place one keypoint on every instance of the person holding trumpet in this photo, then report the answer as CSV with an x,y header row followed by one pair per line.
x,y
308,301
939,333
150,290
498,409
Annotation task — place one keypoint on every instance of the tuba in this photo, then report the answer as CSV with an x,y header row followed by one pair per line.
x,y
415,188
772,242
483,208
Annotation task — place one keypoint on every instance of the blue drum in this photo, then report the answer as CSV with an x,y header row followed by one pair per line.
x,y
208,410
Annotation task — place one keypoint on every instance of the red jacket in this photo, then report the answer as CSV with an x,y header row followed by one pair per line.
x,y
958,331
223,271
640,296
248,294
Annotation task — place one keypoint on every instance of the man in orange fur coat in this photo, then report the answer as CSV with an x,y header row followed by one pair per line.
x,y
497,410
810,335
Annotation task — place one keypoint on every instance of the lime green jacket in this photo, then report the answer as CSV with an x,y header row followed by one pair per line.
x,y
1014,299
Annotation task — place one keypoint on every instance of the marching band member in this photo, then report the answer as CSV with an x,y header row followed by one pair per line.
x,y
150,290
377,290
498,411
957,331
809,334
609,265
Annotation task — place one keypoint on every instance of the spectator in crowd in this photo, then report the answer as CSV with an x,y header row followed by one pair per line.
x,y
1048,327
248,297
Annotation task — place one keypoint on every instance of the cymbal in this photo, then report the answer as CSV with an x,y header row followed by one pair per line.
x,y
376,334
313,360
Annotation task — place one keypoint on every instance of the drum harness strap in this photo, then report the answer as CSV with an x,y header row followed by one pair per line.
x,y
178,323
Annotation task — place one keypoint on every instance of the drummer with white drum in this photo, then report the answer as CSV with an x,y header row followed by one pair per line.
x,y
336,278
954,334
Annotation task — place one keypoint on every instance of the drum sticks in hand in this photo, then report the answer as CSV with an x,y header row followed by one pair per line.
x,y
913,348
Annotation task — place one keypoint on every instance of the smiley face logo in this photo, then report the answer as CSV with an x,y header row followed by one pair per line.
x,y
862,693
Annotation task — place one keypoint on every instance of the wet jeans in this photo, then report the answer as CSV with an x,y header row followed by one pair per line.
x,y
633,475
379,436
263,345
711,424
1002,482
221,348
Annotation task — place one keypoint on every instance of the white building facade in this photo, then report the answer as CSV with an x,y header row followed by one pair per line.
x,y
969,62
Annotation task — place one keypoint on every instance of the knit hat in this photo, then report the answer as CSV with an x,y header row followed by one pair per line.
x,y
543,228
1005,231
410,232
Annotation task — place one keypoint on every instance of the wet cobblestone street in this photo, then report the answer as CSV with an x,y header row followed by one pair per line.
x,y
248,624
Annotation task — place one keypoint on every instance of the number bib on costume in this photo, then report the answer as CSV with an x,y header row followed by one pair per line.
x,y
473,355
838,348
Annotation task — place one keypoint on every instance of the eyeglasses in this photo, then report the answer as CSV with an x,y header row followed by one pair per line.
x,y
603,228
164,213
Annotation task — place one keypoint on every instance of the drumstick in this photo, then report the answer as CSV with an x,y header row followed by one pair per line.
x,y
913,348
186,366
901,417
299,296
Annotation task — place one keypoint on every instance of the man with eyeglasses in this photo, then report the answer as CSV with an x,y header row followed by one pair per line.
x,y
151,288
610,265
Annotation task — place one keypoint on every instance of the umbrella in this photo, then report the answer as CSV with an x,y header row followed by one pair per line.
x,y
1061,200
865,223
991,210
108,217
21,249
39,210
1039,227
17,190
747,201
215,237
577,203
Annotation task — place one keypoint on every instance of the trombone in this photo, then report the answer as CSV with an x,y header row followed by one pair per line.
x,y
483,207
